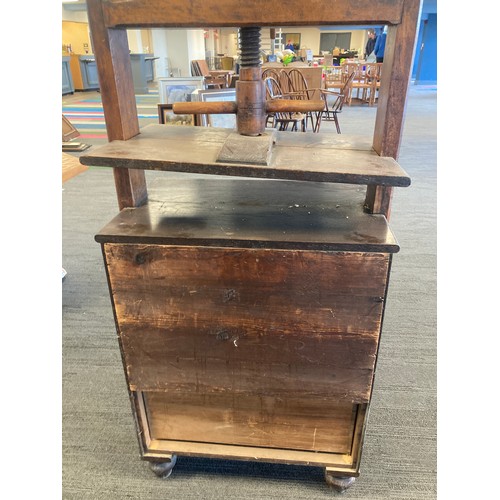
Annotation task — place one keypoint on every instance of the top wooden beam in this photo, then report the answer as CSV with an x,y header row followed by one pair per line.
x,y
237,13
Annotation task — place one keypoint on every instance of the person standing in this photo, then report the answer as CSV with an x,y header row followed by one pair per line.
x,y
370,44
289,45
379,48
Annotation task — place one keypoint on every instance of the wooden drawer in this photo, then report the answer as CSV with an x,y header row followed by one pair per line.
x,y
278,324
259,421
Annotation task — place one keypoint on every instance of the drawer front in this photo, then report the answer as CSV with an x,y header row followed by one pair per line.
x,y
268,422
251,321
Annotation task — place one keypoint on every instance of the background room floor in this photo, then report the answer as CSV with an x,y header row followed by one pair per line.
x,y
100,451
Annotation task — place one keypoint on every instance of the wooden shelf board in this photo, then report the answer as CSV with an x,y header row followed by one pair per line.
x,y
296,156
252,213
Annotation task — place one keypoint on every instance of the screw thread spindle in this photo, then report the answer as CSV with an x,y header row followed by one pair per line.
x,y
250,47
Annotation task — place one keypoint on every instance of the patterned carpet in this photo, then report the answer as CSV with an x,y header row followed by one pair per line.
x,y
85,112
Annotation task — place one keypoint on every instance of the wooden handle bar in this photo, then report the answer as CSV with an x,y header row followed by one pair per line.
x,y
223,107
294,105
201,108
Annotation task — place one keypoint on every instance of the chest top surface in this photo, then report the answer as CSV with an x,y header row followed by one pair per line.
x,y
252,213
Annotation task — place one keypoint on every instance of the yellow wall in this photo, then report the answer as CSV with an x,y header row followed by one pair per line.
x,y
76,34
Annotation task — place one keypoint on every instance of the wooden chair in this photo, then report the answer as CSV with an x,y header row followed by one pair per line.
x,y
373,73
300,90
282,120
328,60
285,82
361,83
213,79
331,111
273,72
333,78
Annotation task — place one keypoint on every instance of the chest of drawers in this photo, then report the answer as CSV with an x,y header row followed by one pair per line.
x,y
249,330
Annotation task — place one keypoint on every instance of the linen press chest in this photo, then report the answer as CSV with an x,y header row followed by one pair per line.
x,y
249,308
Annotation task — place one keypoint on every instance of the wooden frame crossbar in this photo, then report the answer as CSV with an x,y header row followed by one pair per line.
x,y
108,20
235,13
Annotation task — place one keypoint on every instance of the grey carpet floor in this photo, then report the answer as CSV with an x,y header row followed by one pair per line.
x,y
99,445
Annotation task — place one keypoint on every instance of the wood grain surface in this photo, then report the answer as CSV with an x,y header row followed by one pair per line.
x,y
118,99
317,425
71,167
252,321
253,213
394,82
199,13
314,157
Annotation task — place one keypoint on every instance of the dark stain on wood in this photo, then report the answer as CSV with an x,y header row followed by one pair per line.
x,y
297,311
237,212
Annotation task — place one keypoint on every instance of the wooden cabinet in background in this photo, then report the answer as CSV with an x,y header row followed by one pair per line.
x,y
67,79
142,71
84,71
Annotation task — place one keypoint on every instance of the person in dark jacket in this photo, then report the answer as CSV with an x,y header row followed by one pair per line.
x,y
379,48
370,44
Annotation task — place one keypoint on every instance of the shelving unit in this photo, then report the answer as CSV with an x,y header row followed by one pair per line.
x,y
249,308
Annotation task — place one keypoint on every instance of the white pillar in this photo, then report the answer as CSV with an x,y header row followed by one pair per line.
x,y
160,48
183,46
195,44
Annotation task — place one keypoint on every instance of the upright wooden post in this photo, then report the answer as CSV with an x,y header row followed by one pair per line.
x,y
118,99
395,79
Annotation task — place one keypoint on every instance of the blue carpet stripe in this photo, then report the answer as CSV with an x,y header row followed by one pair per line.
x,y
71,112
88,126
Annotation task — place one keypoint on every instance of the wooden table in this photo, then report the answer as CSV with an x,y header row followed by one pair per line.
x,y
71,167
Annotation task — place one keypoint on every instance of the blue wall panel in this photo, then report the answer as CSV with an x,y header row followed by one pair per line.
x,y
426,64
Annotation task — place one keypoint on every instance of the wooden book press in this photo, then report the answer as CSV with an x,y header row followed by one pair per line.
x,y
249,308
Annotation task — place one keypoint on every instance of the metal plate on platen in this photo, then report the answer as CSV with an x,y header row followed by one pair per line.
x,y
246,149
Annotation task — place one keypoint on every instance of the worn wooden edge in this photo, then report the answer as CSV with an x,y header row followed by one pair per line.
x,y
242,170
135,402
386,292
378,200
234,13
359,432
162,448
142,420
120,154
395,80
242,218
247,244
155,449
118,99
236,149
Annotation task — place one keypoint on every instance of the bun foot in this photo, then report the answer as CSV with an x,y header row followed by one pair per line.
x,y
163,469
337,482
